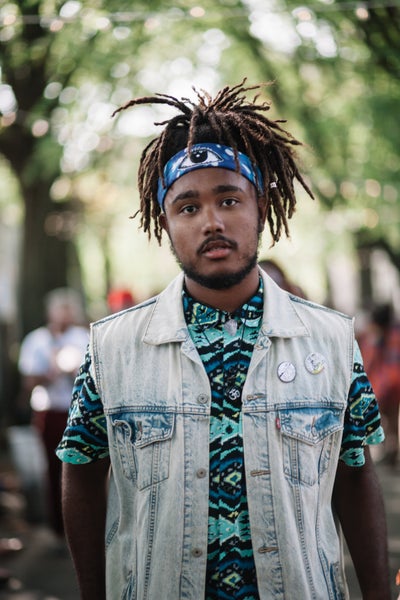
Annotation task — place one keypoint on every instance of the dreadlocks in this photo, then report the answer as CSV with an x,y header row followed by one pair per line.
x,y
231,120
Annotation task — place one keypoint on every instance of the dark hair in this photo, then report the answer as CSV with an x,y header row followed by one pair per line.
x,y
228,119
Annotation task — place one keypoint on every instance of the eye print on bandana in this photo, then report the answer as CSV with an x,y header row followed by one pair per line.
x,y
200,156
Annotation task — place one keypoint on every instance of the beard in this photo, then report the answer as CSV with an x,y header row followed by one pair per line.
x,y
222,281
218,281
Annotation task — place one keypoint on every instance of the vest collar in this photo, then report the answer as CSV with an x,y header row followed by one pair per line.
x,y
281,317
167,322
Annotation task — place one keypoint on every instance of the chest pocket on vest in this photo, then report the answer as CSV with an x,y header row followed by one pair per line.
x,y
307,438
143,443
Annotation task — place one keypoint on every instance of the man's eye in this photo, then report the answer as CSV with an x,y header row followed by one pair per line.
x,y
188,210
229,201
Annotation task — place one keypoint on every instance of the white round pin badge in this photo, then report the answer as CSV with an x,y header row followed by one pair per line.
x,y
286,371
315,363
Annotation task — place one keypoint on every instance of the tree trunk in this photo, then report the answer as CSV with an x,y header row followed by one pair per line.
x,y
45,254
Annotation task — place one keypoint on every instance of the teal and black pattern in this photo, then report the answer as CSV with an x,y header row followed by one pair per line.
x,y
362,419
226,356
85,438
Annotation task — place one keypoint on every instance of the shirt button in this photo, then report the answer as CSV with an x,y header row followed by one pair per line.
x,y
201,473
197,552
202,398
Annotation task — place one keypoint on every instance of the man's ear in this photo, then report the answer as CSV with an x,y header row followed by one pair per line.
x,y
262,211
164,222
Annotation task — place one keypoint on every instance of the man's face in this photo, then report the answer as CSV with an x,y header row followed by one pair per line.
x,y
214,218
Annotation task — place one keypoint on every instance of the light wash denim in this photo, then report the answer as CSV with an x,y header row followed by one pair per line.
x,y
156,398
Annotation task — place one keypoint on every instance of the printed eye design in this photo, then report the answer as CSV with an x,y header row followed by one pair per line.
x,y
201,156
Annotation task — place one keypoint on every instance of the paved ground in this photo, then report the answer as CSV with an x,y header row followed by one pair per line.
x,y
42,569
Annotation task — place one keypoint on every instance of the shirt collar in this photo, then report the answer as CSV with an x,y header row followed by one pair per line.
x,y
201,314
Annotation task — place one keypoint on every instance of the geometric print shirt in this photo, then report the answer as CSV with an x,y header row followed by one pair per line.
x,y
225,344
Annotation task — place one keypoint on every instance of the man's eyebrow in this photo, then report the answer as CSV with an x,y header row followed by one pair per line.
x,y
189,194
219,189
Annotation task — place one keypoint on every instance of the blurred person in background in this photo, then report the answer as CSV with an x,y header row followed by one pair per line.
x,y
119,299
380,346
276,273
48,362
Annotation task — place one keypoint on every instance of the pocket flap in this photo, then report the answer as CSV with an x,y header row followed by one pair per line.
x,y
146,428
310,424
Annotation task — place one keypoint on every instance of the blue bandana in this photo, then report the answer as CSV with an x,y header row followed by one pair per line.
x,y
206,155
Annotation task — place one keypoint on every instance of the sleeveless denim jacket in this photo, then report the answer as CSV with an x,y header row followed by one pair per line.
x,y
156,398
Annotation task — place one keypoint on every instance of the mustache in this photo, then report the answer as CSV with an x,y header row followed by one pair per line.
x,y
216,238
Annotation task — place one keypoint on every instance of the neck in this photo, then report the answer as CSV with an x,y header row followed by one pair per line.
x,y
229,299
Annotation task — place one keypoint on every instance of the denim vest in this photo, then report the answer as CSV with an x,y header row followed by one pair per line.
x,y
156,398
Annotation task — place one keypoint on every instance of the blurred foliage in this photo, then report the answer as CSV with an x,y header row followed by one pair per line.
x,y
65,66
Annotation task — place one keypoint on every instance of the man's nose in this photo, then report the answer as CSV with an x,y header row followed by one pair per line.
x,y
213,221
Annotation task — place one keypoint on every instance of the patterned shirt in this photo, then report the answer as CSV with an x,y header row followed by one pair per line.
x,y
225,344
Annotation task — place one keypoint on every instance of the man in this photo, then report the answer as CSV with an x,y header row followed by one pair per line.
x,y
48,362
221,404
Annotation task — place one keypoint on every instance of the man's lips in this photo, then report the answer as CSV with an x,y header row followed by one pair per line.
x,y
217,248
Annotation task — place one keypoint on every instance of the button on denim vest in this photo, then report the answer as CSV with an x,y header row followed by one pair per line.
x,y
156,398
